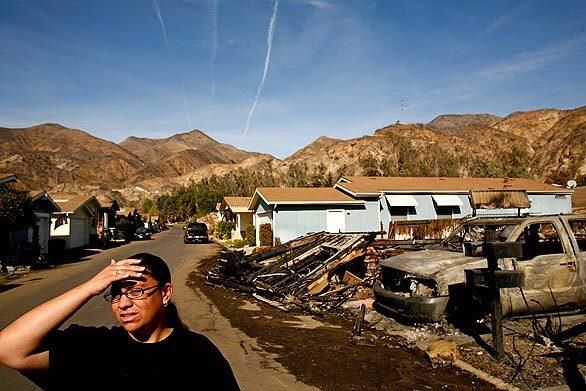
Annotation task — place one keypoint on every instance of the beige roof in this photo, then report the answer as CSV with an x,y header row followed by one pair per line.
x,y
374,185
108,202
126,211
4,176
236,204
237,201
42,194
579,200
71,202
35,193
302,195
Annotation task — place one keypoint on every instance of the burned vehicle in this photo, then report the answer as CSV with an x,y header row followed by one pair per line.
x,y
425,285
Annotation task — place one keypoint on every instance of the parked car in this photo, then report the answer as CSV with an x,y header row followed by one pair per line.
x,y
422,285
196,233
142,233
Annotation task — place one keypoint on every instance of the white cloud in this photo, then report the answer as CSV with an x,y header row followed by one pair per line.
x,y
480,82
506,17
530,61
321,4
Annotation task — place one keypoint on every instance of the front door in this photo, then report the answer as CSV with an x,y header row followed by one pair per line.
x,y
336,221
78,233
44,224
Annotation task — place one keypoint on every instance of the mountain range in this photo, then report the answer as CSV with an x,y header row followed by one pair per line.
x,y
53,157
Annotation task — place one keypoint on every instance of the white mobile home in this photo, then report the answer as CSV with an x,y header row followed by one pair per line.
x,y
236,209
44,208
77,222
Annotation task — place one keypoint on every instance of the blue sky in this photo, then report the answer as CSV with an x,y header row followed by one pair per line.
x,y
337,68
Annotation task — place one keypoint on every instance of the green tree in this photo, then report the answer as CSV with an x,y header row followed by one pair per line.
x,y
369,165
147,206
16,210
125,229
16,213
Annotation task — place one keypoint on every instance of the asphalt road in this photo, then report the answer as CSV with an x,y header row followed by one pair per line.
x,y
254,368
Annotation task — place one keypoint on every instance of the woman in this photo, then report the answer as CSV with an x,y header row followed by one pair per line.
x,y
152,349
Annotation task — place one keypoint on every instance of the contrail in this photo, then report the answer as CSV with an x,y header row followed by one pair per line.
x,y
158,12
266,67
179,69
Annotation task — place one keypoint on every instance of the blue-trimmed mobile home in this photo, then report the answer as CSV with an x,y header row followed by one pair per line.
x,y
370,204
402,199
294,212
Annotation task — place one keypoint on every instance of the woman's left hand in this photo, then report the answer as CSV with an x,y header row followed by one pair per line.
x,y
115,271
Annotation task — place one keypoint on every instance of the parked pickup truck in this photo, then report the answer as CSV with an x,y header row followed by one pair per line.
x,y
424,285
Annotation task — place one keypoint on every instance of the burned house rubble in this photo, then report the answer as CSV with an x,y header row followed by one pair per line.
x,y
317,272
416,279
535,277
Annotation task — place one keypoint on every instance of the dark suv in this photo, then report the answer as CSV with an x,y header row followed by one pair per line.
x,y
195,233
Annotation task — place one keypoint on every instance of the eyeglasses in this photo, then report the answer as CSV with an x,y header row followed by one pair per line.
x,y
132,293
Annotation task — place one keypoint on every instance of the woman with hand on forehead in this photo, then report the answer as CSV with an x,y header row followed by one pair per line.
x,y
152,349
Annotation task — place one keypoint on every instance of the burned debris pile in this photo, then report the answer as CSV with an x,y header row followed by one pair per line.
x,y
317,272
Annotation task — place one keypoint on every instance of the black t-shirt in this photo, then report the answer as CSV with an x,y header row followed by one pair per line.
x,y
83,358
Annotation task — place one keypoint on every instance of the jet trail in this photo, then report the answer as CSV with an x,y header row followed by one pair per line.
x,y
270,36
177,63
158,12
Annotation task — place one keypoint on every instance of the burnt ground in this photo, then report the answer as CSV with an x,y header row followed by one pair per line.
x,y
319,351
531,363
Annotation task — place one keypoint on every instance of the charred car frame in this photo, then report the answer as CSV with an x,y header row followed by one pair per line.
x,y
423,285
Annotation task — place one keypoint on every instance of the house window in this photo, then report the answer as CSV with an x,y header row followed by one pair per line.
x,y
401,213
446,205
540,239
446,212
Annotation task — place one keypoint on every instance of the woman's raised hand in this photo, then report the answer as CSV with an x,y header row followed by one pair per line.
x,y
115,271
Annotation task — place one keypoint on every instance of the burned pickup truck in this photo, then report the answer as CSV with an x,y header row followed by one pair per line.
x,y
425,285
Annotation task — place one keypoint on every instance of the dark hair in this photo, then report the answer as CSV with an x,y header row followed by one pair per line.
x,y
159,270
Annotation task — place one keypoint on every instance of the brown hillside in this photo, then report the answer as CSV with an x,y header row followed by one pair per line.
x,y
348,156
44,155
257,162
547,144
561,150
177,164
453,122
180,154
530,124
153,150
316,147
159,185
